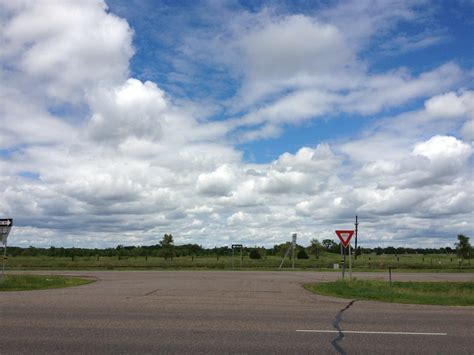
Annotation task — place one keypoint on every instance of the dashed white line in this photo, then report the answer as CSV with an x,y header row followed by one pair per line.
x,y
365,332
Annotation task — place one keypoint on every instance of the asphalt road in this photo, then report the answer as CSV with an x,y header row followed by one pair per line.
x,y
225,312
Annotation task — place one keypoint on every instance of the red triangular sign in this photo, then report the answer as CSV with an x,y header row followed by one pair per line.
x,y
345,236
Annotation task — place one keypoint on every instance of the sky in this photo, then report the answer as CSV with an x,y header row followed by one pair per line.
x,y
227,122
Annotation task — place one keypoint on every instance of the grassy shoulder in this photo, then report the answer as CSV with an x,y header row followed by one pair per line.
x,y
324,262
434,293
39,282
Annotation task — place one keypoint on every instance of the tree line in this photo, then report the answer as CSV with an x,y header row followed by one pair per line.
x,y
167,249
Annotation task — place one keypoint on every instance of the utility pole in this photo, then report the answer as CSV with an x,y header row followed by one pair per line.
x,y
356,225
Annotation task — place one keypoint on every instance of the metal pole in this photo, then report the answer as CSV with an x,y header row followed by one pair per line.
x,y
390,275
343,253
342,269
350,262
241,257
4,258
356,225
232,258
293,255
344,263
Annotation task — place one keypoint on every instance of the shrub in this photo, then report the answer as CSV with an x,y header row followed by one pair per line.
x,y
302,254
254,254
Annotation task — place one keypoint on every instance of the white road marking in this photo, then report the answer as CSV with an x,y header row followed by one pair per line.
x,y
365,332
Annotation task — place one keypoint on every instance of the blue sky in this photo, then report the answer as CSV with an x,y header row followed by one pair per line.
x,y
228,121
161,25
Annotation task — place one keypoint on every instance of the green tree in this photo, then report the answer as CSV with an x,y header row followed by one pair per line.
x,y
167,246
463,247
121,251
330,245
315,247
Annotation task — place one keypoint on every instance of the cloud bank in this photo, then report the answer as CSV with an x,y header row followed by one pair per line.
x,y
91,156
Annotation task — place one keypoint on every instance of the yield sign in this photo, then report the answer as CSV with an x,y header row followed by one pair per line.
x,y
345,236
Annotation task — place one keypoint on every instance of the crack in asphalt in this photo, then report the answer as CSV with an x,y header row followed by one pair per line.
x,y
151,292
340,335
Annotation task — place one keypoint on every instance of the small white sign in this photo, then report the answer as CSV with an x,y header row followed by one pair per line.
x,y
5,228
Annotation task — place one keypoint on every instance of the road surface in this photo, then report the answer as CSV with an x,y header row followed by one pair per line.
x,y
225,312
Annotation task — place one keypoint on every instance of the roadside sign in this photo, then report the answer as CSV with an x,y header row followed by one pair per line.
x,y
345,236
5,227
6,222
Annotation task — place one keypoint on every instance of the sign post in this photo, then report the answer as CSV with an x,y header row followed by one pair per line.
x,y
343,256
356,224
5,228
345,238
350,262
293,247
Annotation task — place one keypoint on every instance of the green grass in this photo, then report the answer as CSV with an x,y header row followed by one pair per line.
x,y
435,293
37,282
368,262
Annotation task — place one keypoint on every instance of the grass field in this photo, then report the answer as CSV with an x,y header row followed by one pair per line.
x,y
436,293
36,282
370,262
